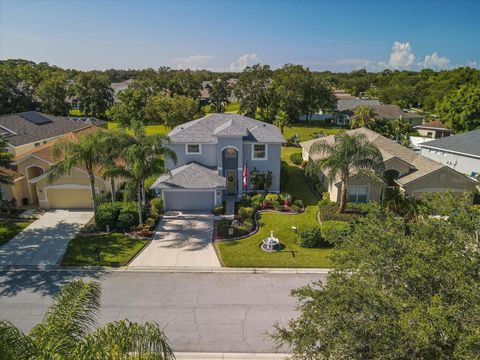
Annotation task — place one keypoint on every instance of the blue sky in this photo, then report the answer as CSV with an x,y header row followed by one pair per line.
x,y
227,35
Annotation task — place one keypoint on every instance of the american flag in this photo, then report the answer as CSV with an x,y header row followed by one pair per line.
x,y
245,176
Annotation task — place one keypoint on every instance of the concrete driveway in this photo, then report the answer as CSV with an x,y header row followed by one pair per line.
x,y
45,240
183,239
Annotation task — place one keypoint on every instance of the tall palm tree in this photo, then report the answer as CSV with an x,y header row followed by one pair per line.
x,y
347,156
82,151
363,116
66,332
143,156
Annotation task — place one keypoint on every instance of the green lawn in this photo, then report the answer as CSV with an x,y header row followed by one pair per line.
x,y
306,131
116,249
151,129
233,108
8,229
247,252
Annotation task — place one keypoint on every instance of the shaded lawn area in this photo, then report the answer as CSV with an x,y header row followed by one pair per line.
x,y
306,131
8,229
116,249
150,129
247,252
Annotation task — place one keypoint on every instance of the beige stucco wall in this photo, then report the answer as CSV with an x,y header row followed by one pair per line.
x,y
374,190
397,164
444,179
19,150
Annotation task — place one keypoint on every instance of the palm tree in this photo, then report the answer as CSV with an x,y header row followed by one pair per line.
x,y
143,156
363,116
281,120
347,156
66,332
83,151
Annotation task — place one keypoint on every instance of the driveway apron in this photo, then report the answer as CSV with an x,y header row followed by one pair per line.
x,y
44,242
183,239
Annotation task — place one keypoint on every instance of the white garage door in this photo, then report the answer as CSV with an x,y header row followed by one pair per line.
x,y
189,200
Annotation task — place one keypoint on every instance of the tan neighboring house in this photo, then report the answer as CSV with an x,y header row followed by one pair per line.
x,y
412,173
30,137
433,129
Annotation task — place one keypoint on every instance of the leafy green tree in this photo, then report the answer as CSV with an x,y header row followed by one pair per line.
x,y
171,110
394,294
251,87
130,108
83,151
347,156
185,83
53,92
94,93
143,157
5,162
66,332
281,120
13,98
460,109
363,116
219,96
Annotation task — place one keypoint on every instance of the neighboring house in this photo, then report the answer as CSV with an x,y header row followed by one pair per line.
x,y
28,130
433,129
119,87
346,106
212,153
460,152
207,86
382,111
87,121
414,174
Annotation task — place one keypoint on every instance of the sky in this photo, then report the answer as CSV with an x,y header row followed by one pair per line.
x,y
229,35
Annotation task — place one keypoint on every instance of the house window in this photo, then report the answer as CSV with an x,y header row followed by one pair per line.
x,y
358,194
193,149
230,153
259,152
37,144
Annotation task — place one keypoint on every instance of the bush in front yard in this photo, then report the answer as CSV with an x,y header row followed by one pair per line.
x,y
128,216
310,235
272,198
107,214
156,206
245,213
256,200
334,231
296,158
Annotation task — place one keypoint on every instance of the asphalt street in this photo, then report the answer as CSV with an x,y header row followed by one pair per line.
x,y
199,312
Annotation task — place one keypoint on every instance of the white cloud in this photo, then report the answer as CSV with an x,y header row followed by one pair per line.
x,y
401,57
435,62
194,62
472,64
243,61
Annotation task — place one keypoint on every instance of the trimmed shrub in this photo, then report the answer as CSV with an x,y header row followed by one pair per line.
x,y
309,235
286,199
278,207
360,208
257,200
299,203
107,214
128,216
156,205
296,158
245,228
333,232
271,198
295,208
246,200
245,213
151,222
219,210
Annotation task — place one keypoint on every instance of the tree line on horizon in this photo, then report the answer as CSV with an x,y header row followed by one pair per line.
x,y
171,97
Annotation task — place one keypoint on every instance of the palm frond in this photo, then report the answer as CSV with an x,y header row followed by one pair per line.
x,y
14,345
69,318
125,340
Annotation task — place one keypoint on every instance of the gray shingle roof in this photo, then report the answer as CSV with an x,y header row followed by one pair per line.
x,y
350,104
210,127
467,143
190,176
25,132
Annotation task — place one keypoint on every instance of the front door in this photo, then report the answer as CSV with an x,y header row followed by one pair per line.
x,y
231,182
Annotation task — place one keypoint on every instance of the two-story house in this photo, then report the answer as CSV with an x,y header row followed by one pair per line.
x,y
212,155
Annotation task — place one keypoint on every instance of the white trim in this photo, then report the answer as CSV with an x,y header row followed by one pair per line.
x,y
449,151
230,146
253,152
69,186
8,130
193,153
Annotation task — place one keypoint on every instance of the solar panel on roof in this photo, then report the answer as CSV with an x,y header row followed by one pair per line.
x,y
36,118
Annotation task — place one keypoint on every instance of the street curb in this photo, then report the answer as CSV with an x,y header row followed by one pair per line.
x,y
229,356
170,269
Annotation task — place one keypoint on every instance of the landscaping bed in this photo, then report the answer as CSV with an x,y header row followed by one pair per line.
x,y
247,253
116,249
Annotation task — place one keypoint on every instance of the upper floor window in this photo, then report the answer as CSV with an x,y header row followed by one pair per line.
x,y
259,152
193,149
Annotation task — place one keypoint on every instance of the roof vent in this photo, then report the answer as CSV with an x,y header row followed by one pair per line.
x,y
35,117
